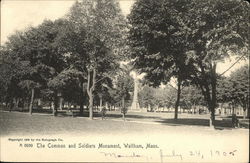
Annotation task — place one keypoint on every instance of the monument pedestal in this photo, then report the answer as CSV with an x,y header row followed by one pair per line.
x,y
135,107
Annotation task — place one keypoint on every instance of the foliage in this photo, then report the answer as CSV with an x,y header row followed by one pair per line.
x,y
192,96
192,34
235,88
123,84
146,97
95,39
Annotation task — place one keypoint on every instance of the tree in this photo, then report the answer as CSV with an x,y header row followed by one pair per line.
x,y
20,75
98,25
36,47
191,97
151,97
158,42
146,97
30,86
65,85
124,84
240,89
235,89
219,28
11,70
103,91
71,41
193,34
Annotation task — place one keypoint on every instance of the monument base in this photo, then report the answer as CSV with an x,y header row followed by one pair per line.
x,y
136,108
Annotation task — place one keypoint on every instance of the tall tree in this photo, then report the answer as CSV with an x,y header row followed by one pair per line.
x,y
36,47
158,41
124,84
11,70
99,25
240,89
235,89
201,33
218,30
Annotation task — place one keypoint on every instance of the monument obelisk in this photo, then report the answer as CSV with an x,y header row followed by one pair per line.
x,y
135,104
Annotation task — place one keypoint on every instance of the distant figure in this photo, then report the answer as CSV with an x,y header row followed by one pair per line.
x,y
103,111
220,111
235,121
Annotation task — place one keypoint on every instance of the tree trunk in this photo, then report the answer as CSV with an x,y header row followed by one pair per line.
x,y
16,103
60,103
56,107
244,107
90,106
81,108
205,89
233,109
106,105
222,108
212,119
244,113
39,102
213,97
22,105
100,102
52,106
248,110
56,104
81,99
149,109
12,102
123,108
31,100
90,89
177,100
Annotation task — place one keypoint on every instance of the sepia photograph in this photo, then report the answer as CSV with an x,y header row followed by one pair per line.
x,y
124,81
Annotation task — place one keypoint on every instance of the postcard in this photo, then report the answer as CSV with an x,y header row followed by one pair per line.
x,y
124,81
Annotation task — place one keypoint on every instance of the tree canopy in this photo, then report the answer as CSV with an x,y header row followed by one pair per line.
x,y
187,39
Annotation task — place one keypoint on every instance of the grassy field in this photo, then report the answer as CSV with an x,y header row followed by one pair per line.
x,y
25,124
140,128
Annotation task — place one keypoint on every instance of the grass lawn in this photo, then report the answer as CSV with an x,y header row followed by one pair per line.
x,y
43,124
168,136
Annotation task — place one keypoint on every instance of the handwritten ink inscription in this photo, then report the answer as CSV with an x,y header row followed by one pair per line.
x,y
133,155
173,155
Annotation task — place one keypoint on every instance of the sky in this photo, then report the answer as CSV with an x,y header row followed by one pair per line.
x,y
20,14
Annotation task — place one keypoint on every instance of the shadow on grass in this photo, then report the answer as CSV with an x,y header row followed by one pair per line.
x,y
110,115
45,111
219,124
132,116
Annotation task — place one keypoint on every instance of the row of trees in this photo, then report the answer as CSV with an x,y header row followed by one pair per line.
x,y
153,98
74,57
186,39
234,89
231,92
78,57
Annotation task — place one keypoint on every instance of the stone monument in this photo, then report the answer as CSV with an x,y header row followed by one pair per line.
x,y
135,104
